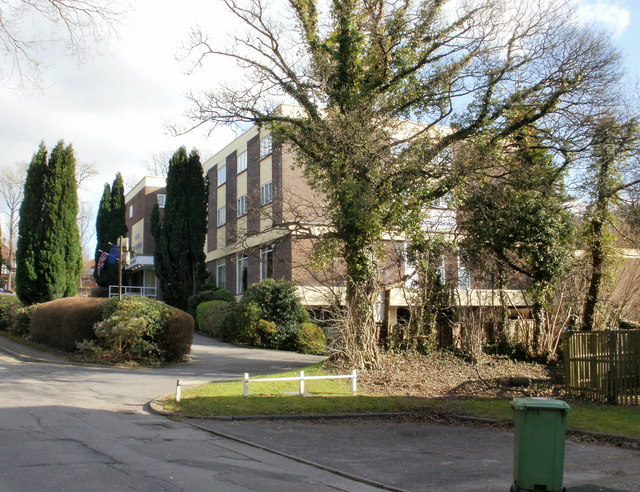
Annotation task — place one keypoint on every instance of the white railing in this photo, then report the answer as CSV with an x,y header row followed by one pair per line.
x,y
134,290
302,378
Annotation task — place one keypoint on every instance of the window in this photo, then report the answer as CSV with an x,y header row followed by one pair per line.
x,y
440,270
241,205
221,216
464,277
130,211
162,199
222,174
242,161
266,262
265,146
221,274
266,193
242,273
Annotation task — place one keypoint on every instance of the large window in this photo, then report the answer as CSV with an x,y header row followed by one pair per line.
x,y
242,161
221,216
222,174
266,262
464,277
266,193
221,274
241,205
242,273
265,145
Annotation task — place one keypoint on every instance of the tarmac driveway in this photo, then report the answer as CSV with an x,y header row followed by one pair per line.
x,y
73,428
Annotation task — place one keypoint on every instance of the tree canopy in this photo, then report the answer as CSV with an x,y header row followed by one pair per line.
x,y
356,70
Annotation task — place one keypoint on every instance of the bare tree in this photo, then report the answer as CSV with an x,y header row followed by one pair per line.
x,y
158,163
26,24
85,172
353,69
86,226
11,190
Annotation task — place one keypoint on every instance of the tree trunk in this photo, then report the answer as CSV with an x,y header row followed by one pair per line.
x,y
597,273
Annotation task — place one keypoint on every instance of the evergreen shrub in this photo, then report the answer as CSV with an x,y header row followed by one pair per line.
x,y
63,322
133,329
143,330
210,316
311,339
7,303
279,302
208,295
20,319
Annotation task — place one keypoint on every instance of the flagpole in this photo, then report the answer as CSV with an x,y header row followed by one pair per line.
x,y
119,269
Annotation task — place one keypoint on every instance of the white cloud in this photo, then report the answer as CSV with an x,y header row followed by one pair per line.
x,y
610,15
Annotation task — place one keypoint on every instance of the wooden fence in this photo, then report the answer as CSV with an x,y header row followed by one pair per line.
x,y
603,365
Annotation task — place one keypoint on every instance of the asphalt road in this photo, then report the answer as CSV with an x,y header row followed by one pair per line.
x,y
66,427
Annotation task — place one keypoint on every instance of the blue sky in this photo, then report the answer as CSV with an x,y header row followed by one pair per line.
x,y
114,107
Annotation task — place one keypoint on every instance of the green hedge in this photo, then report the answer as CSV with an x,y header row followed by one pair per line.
x,y
7,304
208,295
212,315
133,329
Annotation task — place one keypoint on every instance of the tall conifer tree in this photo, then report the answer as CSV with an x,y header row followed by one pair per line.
x,y
102,233
50,254
179,254
110,225
28,248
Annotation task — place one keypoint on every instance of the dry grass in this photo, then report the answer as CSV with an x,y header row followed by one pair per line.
x,y
444,375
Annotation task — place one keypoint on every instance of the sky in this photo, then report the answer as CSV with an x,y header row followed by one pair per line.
x,y
115,107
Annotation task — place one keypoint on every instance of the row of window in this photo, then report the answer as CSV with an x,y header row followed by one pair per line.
x,y
242,269
265,150
266,197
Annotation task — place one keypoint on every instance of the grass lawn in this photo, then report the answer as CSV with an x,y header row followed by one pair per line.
x,y
334,397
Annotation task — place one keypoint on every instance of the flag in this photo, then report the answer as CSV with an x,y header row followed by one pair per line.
x,y
101,260
113,255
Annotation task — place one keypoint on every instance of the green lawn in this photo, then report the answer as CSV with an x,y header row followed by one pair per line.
x,y
334,397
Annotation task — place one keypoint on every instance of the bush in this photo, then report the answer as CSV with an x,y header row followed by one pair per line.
x,y
311,339
20,319
133,329
144,330
279,302
214,294
211,316
7,303
63,322
241,325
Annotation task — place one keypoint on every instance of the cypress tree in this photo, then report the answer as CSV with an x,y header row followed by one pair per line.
x,y
49,250
110,225
60,256
28,248
179,254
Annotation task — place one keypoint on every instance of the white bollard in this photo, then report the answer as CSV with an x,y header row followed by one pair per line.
x,y
178,391
301,383
354,376
246,384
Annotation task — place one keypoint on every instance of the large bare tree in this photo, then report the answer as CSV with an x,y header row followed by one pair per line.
x,y
11,190
27,25
355,68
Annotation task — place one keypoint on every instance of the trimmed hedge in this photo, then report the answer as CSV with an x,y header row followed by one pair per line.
x,y
63,322
212,315
208,295
133,329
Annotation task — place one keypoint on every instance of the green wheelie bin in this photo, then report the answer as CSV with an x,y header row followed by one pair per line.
x,y
540,426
